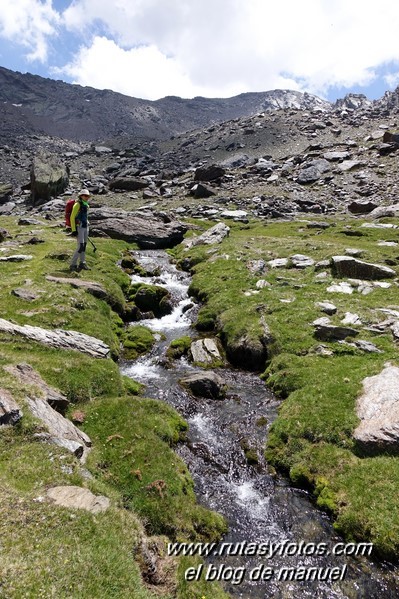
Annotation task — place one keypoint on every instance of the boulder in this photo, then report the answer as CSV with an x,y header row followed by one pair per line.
x,y
59,338
212,236
149,232
205,384
378,411
6,191
201,191
209,173
249,352
78,498
385,211
10,412
205,351
155,299
313,171
301,261
347,266
362,207
58,430
128,184
25,293
49,178
325,331
327,307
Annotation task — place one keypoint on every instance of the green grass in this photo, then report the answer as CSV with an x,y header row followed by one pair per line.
x,y
134,439
49,551
311,439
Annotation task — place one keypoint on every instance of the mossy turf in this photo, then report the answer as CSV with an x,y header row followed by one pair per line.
x,y
49,551
312,438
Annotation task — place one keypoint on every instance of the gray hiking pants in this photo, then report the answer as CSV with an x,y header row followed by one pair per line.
x,y
80,252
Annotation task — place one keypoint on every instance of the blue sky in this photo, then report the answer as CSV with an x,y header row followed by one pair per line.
x,y
214,48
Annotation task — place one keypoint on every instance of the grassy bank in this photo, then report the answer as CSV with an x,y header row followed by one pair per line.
x,y
49,551
311,439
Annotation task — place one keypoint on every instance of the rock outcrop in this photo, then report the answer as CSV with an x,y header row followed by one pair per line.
x,y
378,410
59,338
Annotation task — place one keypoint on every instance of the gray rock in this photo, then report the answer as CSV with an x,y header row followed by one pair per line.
x,y
128,184
205,351
6,191
367,346
59,338
209,173
351,319
336,156
327,307
301,261
313,171
25,293
342,287
362,206
212,236
49,177
78,498
147,231
278,263
16,258
207,384
378,410
256,267
201,191
346,266
10,412
235,214
28,376
59,430
328,332
350,165
384,211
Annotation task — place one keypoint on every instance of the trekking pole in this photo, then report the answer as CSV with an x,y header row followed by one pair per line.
x,y
94,247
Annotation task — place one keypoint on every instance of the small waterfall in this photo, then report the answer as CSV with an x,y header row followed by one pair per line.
x,y
260,507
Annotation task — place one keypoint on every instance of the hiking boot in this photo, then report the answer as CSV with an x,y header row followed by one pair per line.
x,y
84,266
73,268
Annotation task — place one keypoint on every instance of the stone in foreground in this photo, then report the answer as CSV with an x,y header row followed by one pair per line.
x,y
378,410
78,498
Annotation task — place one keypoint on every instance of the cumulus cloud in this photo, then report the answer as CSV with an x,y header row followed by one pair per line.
x,y
221,47
153,48
30,23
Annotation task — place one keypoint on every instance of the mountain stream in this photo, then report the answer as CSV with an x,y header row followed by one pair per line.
x,y
278,543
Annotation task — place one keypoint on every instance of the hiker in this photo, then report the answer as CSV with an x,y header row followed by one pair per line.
x,y
80,230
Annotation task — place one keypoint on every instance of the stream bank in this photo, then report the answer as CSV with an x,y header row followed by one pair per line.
x,y
265,514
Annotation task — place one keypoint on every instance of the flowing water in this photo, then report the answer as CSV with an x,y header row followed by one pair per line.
x,y
278,543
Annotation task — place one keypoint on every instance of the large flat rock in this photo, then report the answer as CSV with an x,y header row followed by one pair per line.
x,y
148,231
59,338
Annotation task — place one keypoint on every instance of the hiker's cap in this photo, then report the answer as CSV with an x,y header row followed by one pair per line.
x,y
84,192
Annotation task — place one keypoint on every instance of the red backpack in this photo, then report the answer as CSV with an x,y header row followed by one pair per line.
x,y
68,212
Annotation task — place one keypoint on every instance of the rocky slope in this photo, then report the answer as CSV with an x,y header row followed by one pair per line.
x,y
35,105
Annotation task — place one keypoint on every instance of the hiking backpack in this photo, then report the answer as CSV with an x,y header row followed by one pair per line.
x,y
68,212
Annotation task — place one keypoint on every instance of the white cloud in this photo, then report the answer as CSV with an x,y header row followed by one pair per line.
x,y
153,48
224,47
139,72
29,23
